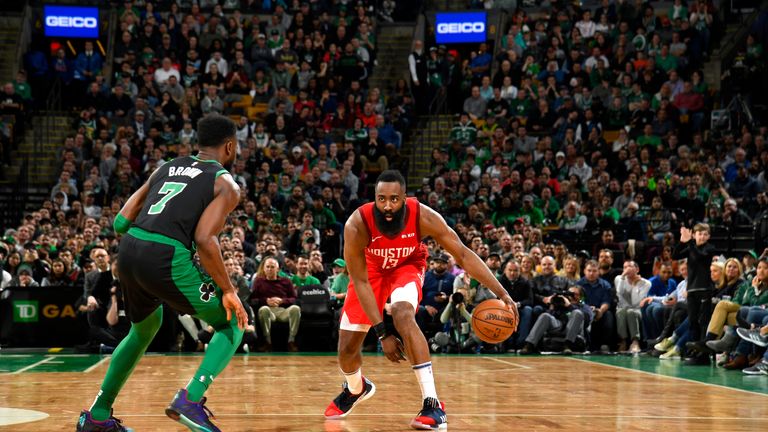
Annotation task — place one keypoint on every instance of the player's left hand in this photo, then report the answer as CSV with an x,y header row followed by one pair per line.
x,y
512,306
232,304
393,349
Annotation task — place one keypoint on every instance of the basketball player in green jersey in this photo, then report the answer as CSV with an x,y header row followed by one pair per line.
x,y
183,206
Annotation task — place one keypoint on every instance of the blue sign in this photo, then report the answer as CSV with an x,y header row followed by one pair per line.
x,y
460,27
71,21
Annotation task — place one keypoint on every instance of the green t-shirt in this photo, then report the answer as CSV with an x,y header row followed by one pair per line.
x,y
298,281
666,63
651,140
340,284
533,217
465,134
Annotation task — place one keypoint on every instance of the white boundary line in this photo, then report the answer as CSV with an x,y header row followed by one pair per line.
x,y
33,365
512,414
498,360
97,364
670,377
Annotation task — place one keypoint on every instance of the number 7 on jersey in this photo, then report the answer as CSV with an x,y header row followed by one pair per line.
x,y
170,190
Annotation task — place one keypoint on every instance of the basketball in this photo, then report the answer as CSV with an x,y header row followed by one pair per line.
x,y
493,322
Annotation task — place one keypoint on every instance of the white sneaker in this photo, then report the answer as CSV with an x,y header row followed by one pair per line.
x,y
635,347
672,354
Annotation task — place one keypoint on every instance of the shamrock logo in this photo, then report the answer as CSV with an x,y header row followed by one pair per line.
x,y
207,290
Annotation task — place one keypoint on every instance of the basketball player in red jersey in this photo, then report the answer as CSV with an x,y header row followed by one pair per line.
x,y
386,260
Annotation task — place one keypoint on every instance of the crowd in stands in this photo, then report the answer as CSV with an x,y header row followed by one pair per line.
x,y
582,169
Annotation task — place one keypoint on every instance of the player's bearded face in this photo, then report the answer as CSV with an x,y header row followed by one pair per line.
x,y
389,222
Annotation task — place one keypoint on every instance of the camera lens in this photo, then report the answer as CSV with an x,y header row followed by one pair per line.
x,y
457,298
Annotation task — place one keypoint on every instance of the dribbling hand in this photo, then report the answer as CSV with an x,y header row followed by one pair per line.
x,y
232,304
512,306
393,349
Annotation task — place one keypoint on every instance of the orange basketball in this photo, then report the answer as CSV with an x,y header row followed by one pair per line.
x,y
493,322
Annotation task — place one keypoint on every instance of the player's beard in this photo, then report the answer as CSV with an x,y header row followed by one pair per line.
x,y
389,228
229,165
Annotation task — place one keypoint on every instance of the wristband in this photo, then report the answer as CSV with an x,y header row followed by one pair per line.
x,y
121,224
381,330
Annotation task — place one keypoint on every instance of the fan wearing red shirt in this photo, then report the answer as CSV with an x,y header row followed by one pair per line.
x,y
386,260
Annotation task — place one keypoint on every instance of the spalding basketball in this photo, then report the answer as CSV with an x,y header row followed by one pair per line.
x,y
493,322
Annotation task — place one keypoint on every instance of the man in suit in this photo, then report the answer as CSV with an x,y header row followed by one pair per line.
x,y
97,287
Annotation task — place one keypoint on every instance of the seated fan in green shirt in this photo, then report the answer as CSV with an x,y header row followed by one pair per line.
x,y
339,281
302,276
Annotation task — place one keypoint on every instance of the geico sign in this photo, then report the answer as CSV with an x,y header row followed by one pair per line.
x,y
71,22
464,27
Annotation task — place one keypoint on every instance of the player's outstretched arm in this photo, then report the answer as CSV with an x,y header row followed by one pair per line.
x,y
226,198
433,225
355,242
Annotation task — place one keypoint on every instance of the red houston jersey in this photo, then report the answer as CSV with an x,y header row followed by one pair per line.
x,y
385,254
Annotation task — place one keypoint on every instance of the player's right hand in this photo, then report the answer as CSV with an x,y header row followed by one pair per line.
x,y
393,349
232,304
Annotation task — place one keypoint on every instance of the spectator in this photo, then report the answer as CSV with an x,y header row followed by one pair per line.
x,y
274,296
438,287
521,291
598,295
565,312
87,65
302,276
659,297
339,281
631,289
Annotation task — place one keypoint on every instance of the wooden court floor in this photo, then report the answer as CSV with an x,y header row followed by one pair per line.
x,y
482,393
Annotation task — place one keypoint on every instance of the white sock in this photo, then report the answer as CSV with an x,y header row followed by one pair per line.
x,y
673,338
354,381
426,380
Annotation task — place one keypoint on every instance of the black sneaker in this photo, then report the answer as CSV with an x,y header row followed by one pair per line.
x,y
431,417
345,401
86,423
698,360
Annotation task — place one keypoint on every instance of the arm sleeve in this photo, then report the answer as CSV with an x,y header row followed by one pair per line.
x,y
605,297
681,250
446,315
528,300
121,224
466,315
290,293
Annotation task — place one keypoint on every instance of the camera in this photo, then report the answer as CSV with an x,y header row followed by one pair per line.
x,y
558,301
457,298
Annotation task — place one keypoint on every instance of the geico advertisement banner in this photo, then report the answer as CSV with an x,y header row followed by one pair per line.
x,y
460,27
71,21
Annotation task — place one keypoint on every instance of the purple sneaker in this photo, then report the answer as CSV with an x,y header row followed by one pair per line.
x,y
194,415
86,423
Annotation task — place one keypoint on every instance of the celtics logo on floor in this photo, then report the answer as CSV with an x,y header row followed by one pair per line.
x,y
207,290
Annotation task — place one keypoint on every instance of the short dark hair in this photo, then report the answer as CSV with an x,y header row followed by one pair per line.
x,y
214,130
391,176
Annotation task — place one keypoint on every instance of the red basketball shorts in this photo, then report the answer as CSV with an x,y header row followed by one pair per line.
x,y
401,284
